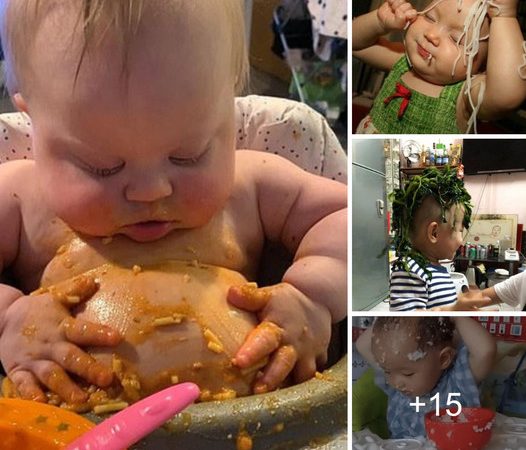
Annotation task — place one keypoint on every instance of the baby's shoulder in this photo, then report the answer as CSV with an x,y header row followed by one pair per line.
x,y
245,159
17,180
20,167
253,166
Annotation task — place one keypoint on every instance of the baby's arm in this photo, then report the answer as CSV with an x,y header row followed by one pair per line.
x,y
505,89
364,346
368,29
308,214
38,337
481,346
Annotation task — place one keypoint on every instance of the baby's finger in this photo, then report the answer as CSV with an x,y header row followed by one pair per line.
x,y
56,380
321,361
261,342
280,365
27,385
395,3
82,332
248,297
72,292
407,12
404,14
304,370
74,360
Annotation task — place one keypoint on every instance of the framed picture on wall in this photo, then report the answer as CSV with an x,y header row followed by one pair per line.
x,y
490,228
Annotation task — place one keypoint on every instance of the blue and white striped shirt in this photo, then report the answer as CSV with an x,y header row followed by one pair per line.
x,y
417,290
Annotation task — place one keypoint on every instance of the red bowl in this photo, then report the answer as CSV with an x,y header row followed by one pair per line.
x,y
471,429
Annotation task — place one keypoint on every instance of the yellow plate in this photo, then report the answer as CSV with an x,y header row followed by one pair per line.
x,y
31,425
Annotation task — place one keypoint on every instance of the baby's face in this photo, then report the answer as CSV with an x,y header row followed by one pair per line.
x,y
138,153
449,237
431,43
412,371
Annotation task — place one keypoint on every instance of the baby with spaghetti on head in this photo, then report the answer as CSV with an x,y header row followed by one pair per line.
x,y
460,60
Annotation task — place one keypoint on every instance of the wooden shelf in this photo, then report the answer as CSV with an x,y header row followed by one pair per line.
x,y
512,266
489,260
417,170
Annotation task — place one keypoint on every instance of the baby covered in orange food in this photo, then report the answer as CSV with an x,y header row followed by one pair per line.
x,y
132,106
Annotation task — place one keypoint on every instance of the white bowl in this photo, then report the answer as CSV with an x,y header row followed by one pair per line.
x,y
459,279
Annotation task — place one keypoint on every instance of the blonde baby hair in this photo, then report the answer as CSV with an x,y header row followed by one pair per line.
x,y
96,18
471,34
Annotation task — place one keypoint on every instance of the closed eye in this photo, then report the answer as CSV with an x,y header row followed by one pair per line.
x,y
457,39
104,172
184,161
430,18
188,161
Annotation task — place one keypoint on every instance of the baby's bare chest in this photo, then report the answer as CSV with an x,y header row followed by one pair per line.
x,y
222,242
52,252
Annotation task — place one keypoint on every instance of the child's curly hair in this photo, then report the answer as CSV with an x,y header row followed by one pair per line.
x,y
429,331
445,188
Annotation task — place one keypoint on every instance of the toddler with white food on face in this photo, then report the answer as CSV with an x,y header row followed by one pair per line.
x,y
416,357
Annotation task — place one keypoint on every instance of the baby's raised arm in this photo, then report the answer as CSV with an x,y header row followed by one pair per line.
x,y
368,29
308,214
481,346
364,346
505,89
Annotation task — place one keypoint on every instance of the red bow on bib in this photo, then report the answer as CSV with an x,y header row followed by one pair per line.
x,y
402,92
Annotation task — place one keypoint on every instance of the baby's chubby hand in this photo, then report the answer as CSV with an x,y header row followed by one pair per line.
x,y
39,343
294,331
395,14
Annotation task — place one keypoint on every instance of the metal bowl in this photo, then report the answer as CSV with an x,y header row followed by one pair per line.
x,y
312,414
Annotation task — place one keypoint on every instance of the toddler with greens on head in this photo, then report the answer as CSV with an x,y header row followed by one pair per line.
x,y
430,212
417,357
460,60
132,108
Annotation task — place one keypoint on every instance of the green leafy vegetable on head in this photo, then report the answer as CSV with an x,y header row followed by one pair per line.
x,y
444,187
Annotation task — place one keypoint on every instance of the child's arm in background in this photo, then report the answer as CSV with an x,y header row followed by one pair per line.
x,y
308,215
481,346
505,89
38,337
364,346
368,29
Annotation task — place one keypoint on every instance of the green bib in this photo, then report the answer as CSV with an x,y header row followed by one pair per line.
x,y
422,114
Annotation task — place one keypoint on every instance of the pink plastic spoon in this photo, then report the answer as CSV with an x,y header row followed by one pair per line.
x,y
136,421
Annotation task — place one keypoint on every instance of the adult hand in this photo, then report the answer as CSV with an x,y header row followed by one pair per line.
x,y
471,300
294,332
